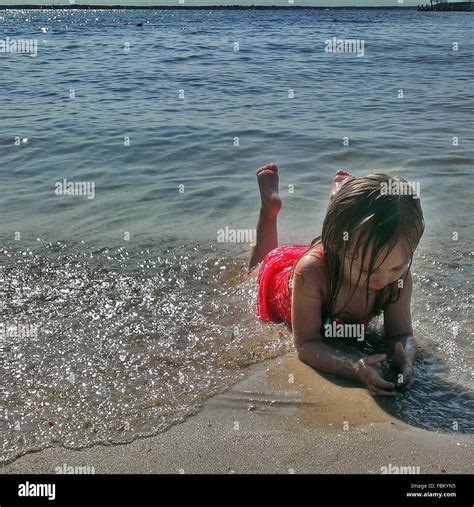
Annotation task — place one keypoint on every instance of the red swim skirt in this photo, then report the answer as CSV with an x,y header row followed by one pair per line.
x,y
274,299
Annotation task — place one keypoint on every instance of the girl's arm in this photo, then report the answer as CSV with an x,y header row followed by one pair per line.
x,y
306,314
399,332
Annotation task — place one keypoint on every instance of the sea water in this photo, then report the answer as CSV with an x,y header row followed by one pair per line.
x,y
123,303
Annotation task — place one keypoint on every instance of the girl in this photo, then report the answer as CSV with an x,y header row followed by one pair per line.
x,y
358,268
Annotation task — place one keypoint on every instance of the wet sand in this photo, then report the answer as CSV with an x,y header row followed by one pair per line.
x,y
282,418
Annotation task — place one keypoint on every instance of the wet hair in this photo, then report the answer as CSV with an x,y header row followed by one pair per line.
x,y
362,214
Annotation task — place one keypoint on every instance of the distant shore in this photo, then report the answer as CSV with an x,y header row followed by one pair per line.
x,y
199,7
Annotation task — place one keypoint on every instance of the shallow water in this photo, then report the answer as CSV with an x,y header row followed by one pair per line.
x,y
134,331
127,343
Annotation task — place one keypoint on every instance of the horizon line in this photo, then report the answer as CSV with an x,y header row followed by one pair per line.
x,y
192,7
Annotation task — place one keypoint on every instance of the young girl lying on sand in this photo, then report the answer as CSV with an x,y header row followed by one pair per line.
x,y
357,268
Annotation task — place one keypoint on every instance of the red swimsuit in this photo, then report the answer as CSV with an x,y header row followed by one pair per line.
x,y
274,298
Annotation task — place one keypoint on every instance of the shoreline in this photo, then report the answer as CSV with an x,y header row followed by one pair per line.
x,y
283,417
198,7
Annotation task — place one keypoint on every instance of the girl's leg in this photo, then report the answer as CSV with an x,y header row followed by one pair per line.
x,y
267,235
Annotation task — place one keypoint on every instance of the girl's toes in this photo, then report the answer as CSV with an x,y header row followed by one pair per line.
x,y
269,167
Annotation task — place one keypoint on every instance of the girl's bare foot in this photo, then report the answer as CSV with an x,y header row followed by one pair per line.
x,y
268,178
339,179
267,234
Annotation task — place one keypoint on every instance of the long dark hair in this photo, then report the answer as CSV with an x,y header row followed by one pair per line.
x,y
363,214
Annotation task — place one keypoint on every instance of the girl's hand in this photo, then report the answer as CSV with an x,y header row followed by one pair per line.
x,y
371,378
405,363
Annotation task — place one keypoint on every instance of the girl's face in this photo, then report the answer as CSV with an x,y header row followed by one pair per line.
x,y
391,269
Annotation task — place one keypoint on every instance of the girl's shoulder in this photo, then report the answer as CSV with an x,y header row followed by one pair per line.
x,y
310,271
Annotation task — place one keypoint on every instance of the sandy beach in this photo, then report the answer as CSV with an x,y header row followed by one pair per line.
x,y
282,418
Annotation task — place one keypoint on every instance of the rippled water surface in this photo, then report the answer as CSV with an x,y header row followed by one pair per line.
x,y
140,312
